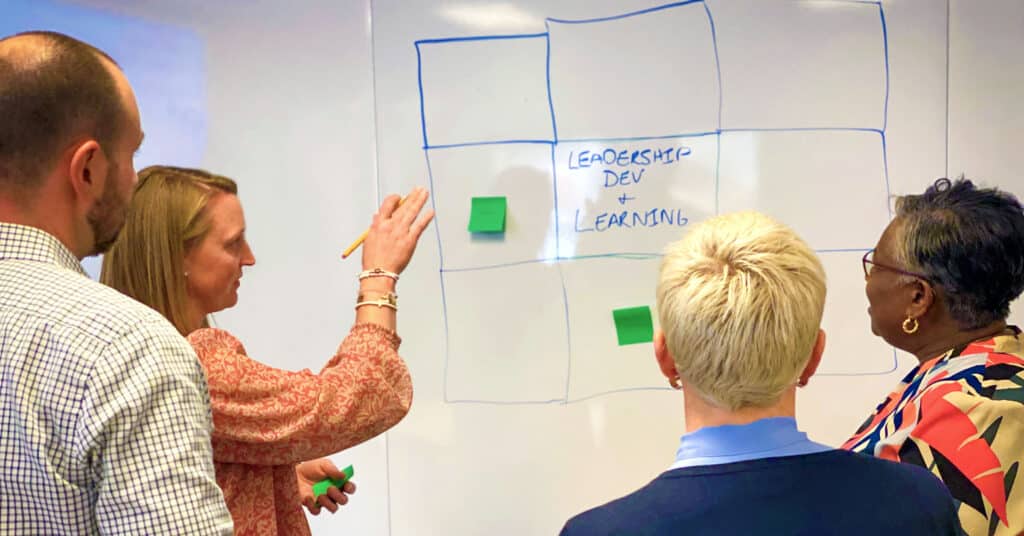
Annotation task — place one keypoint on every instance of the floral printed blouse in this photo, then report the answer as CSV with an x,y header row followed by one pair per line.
x,y
267,420
961,416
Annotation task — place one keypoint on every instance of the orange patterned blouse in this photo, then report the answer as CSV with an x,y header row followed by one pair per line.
x,y
267,420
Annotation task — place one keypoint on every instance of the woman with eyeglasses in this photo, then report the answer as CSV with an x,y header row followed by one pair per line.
x,y
939,284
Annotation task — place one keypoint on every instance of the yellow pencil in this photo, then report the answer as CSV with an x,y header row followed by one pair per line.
x,y
356,244
359,241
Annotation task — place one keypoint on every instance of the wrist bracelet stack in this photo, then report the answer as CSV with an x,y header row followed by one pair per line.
x,y
386,299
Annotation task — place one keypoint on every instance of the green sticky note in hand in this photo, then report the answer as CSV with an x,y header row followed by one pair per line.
x,y
634,325
321,487
487,215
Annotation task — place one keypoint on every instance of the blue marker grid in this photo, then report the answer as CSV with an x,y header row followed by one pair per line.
x,y
553,140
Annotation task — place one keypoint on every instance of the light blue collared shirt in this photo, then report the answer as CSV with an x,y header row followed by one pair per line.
x,y
766,438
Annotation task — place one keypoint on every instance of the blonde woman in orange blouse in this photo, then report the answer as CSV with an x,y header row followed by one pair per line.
x,y
182,251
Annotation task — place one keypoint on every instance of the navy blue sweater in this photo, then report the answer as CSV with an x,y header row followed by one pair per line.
x,y
832,493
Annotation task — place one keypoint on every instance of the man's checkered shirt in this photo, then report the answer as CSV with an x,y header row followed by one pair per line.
x,y
104,412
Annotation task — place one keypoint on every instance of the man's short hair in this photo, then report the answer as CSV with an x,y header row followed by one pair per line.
x,y
53,89
740,300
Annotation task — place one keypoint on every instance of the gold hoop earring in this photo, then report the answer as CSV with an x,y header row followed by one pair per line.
x,y
910,325
675,382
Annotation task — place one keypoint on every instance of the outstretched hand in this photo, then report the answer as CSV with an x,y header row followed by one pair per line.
x,y
395,231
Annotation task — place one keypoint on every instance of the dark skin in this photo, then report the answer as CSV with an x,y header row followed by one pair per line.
x,y
893,299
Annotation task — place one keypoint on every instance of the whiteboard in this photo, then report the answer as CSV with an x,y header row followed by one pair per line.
x,y
814,112
526,410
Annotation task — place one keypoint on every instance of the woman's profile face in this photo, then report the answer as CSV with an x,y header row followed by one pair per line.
x,y
214,265
888,298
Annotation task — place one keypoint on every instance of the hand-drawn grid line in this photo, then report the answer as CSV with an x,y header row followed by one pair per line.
x,y
554,141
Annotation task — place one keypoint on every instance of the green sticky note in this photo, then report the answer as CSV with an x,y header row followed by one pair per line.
x,y
321,487
633,325
487,215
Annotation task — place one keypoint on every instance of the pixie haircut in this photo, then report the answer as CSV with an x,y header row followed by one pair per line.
x,y
970,242
740,299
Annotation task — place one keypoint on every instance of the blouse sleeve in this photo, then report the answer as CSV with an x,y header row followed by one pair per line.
x,y
267,416
975,446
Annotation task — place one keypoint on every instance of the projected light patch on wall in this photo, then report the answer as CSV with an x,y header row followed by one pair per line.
x,y
165,65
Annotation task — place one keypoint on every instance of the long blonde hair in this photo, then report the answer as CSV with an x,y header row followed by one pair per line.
x,y
165,220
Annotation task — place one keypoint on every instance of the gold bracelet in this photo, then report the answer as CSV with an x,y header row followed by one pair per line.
x,y
378,303
387,299
390,297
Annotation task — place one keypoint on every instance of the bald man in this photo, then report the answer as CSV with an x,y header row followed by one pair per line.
x,y
104,410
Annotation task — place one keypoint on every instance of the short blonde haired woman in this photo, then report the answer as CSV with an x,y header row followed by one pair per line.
x,y
182,251
740,300
760,292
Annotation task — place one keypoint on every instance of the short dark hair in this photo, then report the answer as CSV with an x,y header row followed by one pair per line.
x,y
51,91
970,242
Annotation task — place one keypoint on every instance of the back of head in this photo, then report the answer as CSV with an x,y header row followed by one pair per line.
x,y
740,300
53,90
970,242
166,217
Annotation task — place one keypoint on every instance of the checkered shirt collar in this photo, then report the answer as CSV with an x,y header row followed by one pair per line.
x,y
24,243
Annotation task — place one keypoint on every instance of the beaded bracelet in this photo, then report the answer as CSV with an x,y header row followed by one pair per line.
x,y
377,272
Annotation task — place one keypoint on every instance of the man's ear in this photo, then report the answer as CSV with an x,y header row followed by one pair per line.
x,y
665,361
87,171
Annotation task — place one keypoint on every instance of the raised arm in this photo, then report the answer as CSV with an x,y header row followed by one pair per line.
x,y
269,416
387,250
